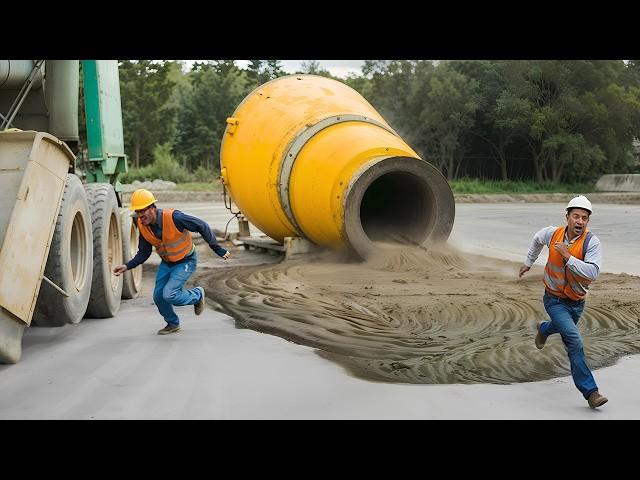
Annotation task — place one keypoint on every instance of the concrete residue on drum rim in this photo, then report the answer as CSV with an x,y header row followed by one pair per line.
x,y
425,315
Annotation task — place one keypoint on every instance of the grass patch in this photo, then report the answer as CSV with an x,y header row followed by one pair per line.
x,y
474,185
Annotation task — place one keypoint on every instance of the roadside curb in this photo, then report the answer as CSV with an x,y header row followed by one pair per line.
x,y
179,196
630,198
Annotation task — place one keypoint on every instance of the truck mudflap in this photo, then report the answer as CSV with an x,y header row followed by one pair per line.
x,y
33,170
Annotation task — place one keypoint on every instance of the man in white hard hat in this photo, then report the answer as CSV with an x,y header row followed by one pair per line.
x,y
575,255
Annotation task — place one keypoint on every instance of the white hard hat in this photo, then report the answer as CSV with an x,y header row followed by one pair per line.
x,y
580,202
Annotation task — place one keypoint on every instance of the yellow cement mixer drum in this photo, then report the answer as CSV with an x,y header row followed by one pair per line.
x,y
308,156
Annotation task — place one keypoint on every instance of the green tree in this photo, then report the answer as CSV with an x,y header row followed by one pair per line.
x,y
148,117
360,84
584,118
313,67
509,118
447,117
217,87
261,71
397,89
499,117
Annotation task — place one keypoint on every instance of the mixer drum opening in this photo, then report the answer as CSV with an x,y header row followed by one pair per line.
x,y
397,200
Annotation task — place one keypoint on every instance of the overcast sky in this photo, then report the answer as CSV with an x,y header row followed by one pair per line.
x,y
338,68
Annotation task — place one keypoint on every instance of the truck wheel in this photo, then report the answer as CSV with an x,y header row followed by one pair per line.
x,y
70,261
132,279
106,288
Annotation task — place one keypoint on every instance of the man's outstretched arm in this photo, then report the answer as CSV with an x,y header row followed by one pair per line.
x,y
195,224
144,252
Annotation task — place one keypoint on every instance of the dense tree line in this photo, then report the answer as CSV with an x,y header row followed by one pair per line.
x,y
545,120
177,118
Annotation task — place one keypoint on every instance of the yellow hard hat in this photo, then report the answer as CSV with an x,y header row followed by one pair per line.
x,y
141,198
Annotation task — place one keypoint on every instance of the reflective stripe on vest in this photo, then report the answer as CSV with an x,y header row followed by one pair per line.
x,y
559,280
175,245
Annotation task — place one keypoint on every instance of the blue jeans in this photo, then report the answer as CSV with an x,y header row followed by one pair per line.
x,y
169,291
564,314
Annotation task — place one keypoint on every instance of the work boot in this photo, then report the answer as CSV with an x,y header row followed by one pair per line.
x,y
540,338
199,307
169,329
596,400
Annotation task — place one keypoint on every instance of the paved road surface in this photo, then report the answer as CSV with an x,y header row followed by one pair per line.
x,y
120,369
505,231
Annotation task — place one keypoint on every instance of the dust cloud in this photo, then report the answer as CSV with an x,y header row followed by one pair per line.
x,y
425,315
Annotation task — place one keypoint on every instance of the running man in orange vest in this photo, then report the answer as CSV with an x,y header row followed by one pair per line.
x,y
168,231
575,255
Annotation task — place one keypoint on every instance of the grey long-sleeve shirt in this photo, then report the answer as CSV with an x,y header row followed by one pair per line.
x,y
182,221
588,268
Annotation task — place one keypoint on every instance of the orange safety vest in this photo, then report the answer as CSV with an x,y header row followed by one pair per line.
x,y
175,245
560,280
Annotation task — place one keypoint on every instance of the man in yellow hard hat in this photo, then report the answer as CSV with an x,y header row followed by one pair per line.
x,y
575,255
168,231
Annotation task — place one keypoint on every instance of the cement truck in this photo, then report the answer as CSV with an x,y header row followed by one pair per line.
x,y
307,156
62,228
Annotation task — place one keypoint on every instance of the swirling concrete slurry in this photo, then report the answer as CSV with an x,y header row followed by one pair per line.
x,y
426,315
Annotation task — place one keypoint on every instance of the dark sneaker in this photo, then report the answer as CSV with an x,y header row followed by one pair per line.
x,y
540,338
199,307
596,400
169,329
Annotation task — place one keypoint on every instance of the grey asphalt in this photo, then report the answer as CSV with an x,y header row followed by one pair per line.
x,y
119,368
505,231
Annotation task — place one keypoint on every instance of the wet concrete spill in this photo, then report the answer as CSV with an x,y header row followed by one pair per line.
x,y
425,315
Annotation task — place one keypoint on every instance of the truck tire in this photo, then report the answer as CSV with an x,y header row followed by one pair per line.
x,y
106,288
132,279
70,261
